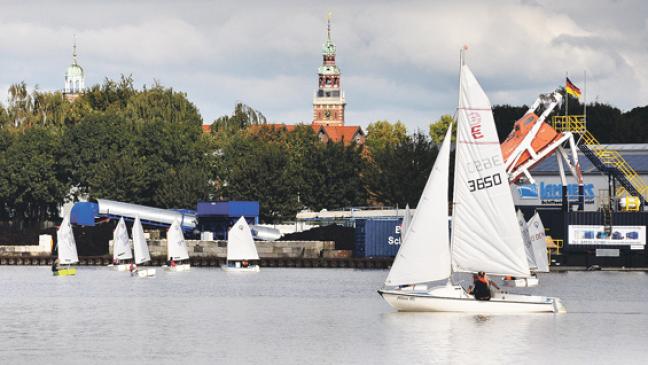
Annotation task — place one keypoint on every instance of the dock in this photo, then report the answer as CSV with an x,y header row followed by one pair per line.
x,y
213,261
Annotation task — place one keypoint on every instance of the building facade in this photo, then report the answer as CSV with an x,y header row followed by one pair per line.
x,y
547,191
328,102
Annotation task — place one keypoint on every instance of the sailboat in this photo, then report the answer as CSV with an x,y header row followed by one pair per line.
x,y
241,249
538,242
535,250
122,249
67,251
141,249
176,249
485,235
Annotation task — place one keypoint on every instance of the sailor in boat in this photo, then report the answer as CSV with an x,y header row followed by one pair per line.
x,y
481,290
55,265
245,263
172,263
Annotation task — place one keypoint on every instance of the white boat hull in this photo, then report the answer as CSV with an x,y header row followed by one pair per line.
x,y
177,268
120,267
144,273
522,283
455,299
251,268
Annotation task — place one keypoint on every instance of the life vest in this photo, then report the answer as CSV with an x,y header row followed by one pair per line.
x,y
482,290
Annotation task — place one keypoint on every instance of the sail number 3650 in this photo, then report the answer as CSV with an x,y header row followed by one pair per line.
x,y
484,182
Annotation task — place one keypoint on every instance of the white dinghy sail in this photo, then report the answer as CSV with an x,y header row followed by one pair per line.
x,y
485,234
67,250
141,249
538,242
176,249
176,244
121,246
528,248
424,255
407,222
241,248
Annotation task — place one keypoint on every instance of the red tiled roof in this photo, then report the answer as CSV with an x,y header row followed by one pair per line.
x,y
345,133
335,134
206,128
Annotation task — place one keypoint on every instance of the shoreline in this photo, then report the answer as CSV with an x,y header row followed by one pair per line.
x,y
376,263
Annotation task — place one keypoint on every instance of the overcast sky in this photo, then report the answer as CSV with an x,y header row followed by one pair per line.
x,y
399,59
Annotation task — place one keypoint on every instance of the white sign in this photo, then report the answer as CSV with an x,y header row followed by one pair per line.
x,y
634,236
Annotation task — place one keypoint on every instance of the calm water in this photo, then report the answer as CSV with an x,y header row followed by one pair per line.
x,y
302,316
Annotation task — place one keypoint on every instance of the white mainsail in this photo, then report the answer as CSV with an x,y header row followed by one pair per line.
x,y
528,249
424,255
539,243
121,246
67,251
486,236
176,244
139,243
240,244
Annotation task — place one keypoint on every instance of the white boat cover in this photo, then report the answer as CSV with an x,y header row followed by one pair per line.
x,y
67,251
538,241
528,249
486,236
176,244
240,244
121,246
139,243
424,255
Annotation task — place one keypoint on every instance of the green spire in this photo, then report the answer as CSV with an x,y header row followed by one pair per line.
x,y
74,53
328,49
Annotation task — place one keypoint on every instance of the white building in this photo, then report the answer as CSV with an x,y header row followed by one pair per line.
x,y
74,78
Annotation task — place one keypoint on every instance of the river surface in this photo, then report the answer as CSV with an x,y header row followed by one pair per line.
x,y
303,316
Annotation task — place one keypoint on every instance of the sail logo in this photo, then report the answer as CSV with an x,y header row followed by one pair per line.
x,y
475,125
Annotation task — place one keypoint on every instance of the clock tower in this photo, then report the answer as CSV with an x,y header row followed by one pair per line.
x,y
328,102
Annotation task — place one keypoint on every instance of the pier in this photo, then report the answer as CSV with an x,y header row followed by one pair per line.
x,y
213,261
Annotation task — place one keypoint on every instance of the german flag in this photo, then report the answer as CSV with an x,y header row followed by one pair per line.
x,y
572,89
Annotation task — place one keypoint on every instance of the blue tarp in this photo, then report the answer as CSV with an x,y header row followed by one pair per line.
x,y
233,209
84,213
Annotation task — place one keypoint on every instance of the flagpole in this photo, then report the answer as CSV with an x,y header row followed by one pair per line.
x,y
566,96
585,95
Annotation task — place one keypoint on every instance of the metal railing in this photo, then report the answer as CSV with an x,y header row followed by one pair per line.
x,y
611,158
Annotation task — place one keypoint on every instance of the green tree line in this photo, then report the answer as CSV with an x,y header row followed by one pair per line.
x,y
147,146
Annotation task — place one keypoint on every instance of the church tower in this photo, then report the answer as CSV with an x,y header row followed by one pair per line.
x,y
74,78
328,102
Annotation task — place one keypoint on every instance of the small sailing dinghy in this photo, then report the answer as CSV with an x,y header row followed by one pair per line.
x,y
122,250
67,251
141,250
485,235
535,248
177,253
241,249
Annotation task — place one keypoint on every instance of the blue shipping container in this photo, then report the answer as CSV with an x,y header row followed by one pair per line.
x,y
377,237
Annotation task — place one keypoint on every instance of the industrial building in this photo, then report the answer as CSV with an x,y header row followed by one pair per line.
x,y
547,190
